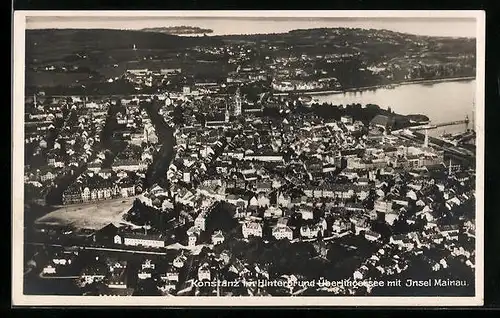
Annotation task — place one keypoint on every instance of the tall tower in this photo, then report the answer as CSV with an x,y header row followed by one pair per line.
x,y
237,104
226,115
473,126
34,100
426,138
473,123
466,123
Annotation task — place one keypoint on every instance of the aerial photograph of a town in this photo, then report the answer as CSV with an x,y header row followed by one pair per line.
x,y
249,157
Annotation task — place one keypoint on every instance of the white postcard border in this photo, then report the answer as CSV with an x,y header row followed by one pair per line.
x,y
18,299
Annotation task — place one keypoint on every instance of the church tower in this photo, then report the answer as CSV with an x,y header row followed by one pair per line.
x,y
226,115
237,104
426,138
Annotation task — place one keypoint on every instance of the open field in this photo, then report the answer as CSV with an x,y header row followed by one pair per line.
x,y
89,215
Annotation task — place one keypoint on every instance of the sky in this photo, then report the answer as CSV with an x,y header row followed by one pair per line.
x,y
429,26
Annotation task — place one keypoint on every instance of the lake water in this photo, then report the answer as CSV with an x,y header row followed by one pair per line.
x,y
441,102
452,27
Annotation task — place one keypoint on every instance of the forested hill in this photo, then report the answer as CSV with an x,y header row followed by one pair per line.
x,y
348,34
179,30
95,58
365,41
54,44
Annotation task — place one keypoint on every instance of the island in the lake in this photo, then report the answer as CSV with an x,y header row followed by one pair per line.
x,y
178,30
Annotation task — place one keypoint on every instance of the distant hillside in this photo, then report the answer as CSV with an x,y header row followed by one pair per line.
x,y
370,42
54,44
84,57
179,30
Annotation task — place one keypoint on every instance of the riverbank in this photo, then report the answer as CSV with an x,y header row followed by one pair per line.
x,y
375,87
440,80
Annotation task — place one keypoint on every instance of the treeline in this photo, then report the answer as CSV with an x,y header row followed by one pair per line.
x,y
365,114
53,44
142,215
88,87
54,195
111,146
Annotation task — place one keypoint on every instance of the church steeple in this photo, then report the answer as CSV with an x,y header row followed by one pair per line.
x,y
237,102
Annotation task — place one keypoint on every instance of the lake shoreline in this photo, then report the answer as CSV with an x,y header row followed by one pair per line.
x,y
375,87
